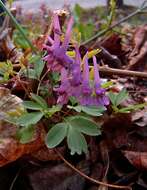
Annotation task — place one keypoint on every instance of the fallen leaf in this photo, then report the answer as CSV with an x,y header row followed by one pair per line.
x,y
11,149
140,37
137,159
59,177
10,105
137,58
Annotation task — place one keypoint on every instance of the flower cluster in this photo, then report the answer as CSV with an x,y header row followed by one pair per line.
x,y
75,79
56,50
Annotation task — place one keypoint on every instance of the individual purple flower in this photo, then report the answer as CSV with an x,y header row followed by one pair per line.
x,y
63,90
86,91
56,51
100,98
76,69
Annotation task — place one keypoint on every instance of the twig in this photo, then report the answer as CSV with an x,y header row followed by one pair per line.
x,y
111,71
17,65
89,178
41,81
14,180
139,10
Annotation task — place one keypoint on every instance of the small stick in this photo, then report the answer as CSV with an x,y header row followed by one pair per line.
x,y
14,180
139,10
89,178
112,71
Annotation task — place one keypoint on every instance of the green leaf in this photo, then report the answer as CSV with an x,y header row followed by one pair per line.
x,y
84,125
55,76
38,65
77,12
73,127
29,73
32,105
53,110
39,100
112,97
29,118
90,110
76,141
107,84
33,58
56,135
73,100
93,110
76,108
25,134
132,108
121,96
86,30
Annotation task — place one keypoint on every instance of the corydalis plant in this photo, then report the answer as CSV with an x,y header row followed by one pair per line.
x,y
75,77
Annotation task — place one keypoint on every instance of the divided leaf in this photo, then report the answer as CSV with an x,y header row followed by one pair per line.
x,y
72,128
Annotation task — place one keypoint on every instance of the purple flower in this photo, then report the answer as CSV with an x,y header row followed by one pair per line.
x,y
86,91
76,83
100,98
56,52
63,90
76,69
92,95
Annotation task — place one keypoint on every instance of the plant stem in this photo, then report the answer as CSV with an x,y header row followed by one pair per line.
x,y
89,178
18,26
139,10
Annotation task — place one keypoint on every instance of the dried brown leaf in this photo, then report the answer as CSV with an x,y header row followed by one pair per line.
x,y
138,159
138,55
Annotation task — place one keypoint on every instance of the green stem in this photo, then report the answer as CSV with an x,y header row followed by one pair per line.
x,y
18,26
139,10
